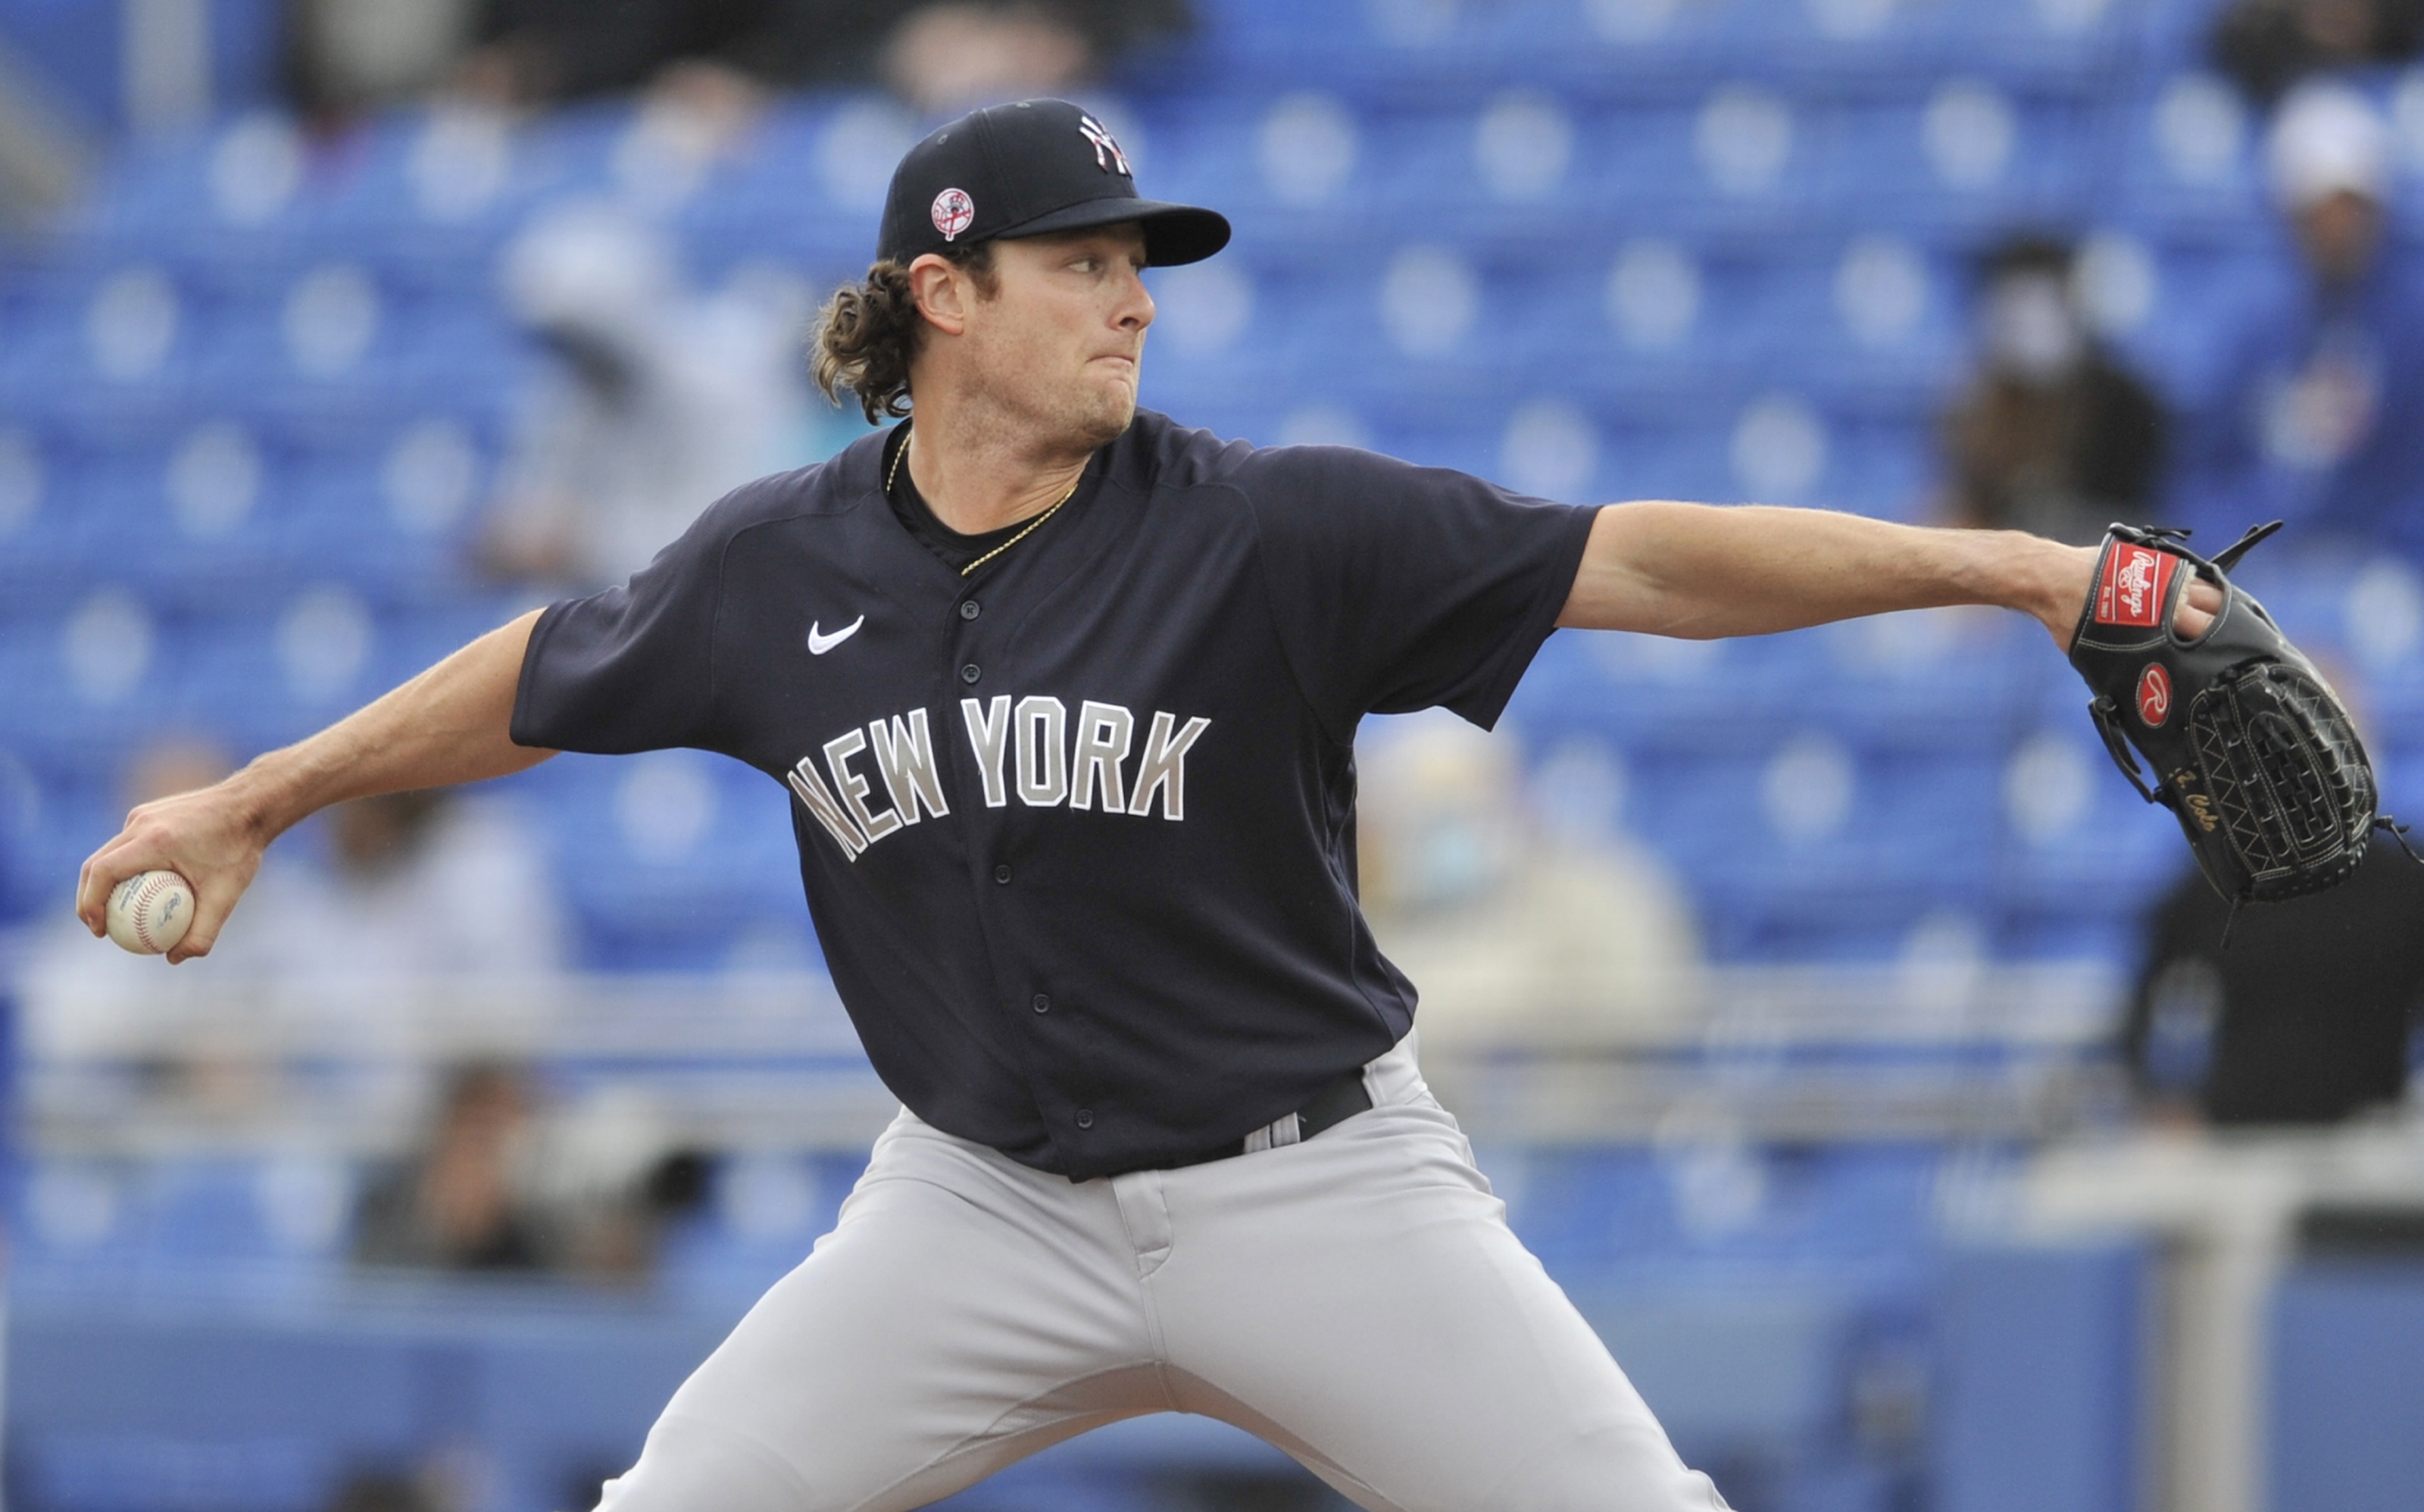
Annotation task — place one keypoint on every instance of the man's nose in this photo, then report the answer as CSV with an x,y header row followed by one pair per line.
x,y
1137,310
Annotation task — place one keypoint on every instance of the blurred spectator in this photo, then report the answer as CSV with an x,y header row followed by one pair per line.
x,y
1519,934
2320,416
939,55
502,1183
2305,1019
388,1491
465,1203
343,57
952,56
419,885
2051,434
660,403
2269,45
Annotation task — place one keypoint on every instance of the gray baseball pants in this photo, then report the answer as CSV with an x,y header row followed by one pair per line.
x,y
1356,1300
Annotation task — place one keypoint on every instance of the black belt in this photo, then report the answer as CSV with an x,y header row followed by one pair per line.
x,y
1331,1107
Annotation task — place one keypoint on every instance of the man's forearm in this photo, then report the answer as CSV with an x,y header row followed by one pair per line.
x,y
450,724
1700,571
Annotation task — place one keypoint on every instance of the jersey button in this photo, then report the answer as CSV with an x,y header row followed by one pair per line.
x,y
1042,1004
969,610
1085,1118
1001,874
969,672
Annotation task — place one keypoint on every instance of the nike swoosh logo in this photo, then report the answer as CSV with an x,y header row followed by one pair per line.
x,y
819,643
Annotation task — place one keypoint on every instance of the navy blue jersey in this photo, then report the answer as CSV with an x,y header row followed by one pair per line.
x,y
1078,831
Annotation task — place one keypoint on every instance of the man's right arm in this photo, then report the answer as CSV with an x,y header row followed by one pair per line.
x,y
450,724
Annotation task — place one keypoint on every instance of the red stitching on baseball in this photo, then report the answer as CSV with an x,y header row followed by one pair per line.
x,y
137,904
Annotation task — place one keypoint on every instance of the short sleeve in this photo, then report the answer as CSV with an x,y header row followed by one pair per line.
x,y
631,668
1396,587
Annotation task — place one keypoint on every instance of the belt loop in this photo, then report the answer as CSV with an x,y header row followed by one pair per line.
x,y
1279,1131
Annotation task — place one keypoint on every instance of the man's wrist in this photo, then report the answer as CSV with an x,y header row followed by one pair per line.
x,y
266,795
2051,581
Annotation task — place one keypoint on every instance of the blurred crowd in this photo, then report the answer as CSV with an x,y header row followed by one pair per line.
x,y
715,56
2313,420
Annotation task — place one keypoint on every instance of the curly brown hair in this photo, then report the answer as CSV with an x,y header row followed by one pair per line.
x,y
866,336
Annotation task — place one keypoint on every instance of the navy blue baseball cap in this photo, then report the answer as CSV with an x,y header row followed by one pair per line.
x,y
1028,169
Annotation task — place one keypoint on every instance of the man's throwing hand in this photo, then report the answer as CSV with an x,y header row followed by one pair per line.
x,y
208,837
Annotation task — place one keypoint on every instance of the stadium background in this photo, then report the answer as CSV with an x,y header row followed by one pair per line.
x,y
1593,248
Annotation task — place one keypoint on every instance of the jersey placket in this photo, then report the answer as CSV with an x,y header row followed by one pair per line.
x,y
1004,852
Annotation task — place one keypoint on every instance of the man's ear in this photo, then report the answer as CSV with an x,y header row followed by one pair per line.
x,y
940,290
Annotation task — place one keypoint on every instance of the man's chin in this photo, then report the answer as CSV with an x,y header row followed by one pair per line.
x,y
1107,421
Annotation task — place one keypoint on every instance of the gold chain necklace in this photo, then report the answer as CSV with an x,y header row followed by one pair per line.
x,y
892,476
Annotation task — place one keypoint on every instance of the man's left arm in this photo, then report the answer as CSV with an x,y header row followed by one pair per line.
x,y
1703,571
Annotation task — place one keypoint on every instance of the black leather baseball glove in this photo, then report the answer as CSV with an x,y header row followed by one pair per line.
x,y
2248,745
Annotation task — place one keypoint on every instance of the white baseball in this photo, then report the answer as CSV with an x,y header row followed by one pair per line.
x,y
148,912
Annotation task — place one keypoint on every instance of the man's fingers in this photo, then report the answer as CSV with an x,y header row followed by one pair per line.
x,y
121,857
2197,608
86,912
103,870
212,905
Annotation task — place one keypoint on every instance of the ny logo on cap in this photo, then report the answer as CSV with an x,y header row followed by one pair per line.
x,y
1107,155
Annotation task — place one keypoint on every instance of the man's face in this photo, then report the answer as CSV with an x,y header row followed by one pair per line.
x,y
2339,234
1058,345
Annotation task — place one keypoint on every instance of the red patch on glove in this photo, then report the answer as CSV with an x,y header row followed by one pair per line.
x,y
2134,582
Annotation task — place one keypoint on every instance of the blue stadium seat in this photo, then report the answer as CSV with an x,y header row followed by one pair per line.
x,y
118,340
72,1217
90,680
2187,157
1969,154
49,545
806,188
671,859
2055,46
367,517
2199,296
300,655
2074,876
425,196
225,1219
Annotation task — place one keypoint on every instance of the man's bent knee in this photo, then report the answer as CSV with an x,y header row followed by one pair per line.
x,y
690,1465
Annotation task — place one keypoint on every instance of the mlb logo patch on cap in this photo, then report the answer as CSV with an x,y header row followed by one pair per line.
x,y
954,212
